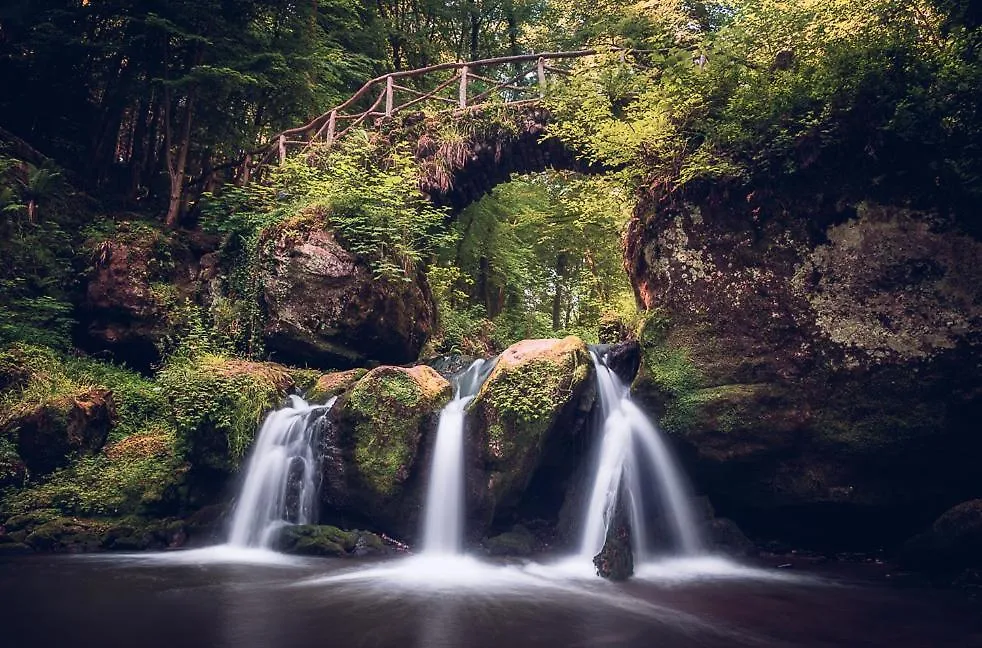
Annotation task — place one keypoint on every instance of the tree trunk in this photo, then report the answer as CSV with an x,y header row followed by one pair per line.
x,y
177,160
559,296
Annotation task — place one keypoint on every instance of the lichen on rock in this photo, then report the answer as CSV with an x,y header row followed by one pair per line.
x,y
536,387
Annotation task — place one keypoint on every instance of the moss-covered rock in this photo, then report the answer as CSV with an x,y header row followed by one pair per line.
x,y
323,540
517,542
333,384
953,543
63,426
219,403
530,407
817,365
72,535
140,275
371,445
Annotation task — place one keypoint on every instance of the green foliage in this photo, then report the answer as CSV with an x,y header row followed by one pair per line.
x,y
781,94
541,255
102,485
37,279
45,376
218,404
141,460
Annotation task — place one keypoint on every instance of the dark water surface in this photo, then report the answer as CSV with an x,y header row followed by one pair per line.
x,y
145,602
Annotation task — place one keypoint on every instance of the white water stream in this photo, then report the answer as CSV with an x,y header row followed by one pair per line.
x,y
282,461
443,529
630,448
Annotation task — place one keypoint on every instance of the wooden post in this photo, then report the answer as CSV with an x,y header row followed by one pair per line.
x,y
463,87
388,95
282,149
541,67
331,126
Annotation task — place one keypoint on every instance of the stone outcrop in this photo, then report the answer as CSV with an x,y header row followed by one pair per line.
x,y
817,366
525,429
326,308
952,543
373,455
48,436
138,275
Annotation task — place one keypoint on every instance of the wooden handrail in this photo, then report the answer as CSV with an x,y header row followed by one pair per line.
x,y
327,126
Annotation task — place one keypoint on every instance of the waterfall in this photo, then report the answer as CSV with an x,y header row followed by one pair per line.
x,y
443,529
280,485
632,448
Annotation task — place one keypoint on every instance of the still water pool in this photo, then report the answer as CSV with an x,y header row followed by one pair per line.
x,y
217,598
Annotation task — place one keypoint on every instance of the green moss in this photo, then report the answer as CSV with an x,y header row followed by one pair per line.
x,y
668,378
68,534
219,403
46,376
333,384
316,540
387,407
135,475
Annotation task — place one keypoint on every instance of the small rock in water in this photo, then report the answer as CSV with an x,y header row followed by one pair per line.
x,y
616,560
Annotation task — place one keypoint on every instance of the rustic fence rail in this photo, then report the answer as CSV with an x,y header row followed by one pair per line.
x,y
449,86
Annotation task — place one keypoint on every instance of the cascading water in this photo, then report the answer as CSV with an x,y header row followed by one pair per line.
x,y
443,528
280,485
631,448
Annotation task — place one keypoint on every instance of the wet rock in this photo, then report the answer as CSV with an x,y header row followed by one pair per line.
x,y
517,542
724,536
616,560
333,384
818,367
954,541
623,358
68,535
326,308
370,447
318,540
50,434
525,429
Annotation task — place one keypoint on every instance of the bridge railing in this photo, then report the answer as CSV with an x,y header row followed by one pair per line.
x,y
448,86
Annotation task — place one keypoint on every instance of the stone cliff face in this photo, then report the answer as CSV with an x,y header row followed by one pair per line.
x,y
814,365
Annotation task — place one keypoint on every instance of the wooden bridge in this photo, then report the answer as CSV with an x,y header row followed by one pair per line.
x,y
507,80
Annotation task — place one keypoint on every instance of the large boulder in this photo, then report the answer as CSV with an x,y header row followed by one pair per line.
x,y
138,277
372,452
50,434
525,430
818,366
953,542
326,308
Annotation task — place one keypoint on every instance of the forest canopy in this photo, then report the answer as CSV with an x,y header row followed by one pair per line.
x,y
116,110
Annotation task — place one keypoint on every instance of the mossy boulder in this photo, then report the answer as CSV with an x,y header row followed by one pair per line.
x,y
326,308
48,435
66,534
818,365
139,274
219,403
371,446
527,419
519,541
333,384
951,544
318,540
